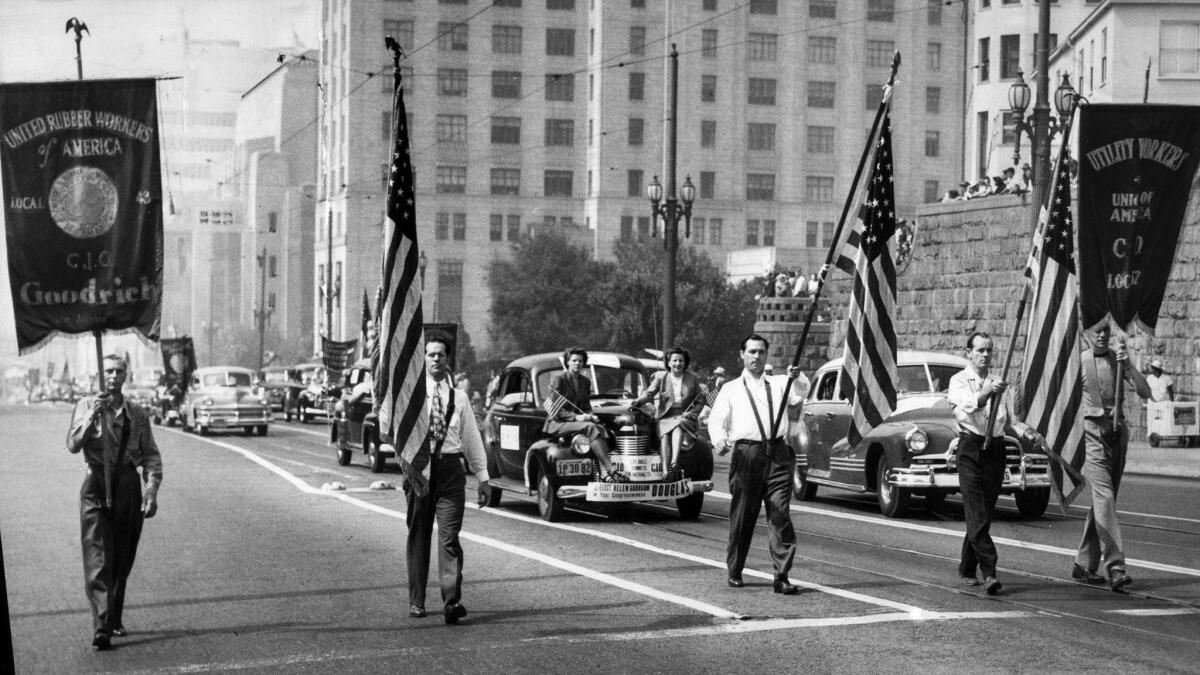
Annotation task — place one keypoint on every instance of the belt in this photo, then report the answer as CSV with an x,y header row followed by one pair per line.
x,y
755,444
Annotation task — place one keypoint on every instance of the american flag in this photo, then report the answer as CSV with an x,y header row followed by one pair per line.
x,y
1052,390
554,404
400,371
869,361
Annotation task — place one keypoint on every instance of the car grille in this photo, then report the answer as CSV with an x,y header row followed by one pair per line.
x,y
633,445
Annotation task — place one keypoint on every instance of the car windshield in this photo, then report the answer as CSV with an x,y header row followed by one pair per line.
x,y
225,380
280,377
145,378
607,382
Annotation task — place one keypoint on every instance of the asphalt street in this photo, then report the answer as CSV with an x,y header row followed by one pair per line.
x,y
253,566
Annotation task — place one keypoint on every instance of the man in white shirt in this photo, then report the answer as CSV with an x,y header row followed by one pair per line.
x,y
981,456
453,436
760,469
1162,387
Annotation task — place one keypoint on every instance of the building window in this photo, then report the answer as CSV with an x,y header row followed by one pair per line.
x,y
822,49
821,94
818,188
387,126
761,91
560,42
451,179
560,132
764,6
643,227
881,10
768,233
1010,56
1178,48
820,139
273,267
934,15
760,136
710,5
1103,55
760,187
636,130
637,4
826,234
506,84
763,47
626,228
708,43
452,82
557,183
933,143
933,100
822,9
506,39
984,59
879,52
933,56
449,292
514,227
637,86
708,133
452,37
714,231
506,181
637,40
272,222
460,227
1008,127
874,96
635,180
698,230
401,30
506,130
752,233
933,192
451,128
812,233
708,184
441,226
560,87
708,88
560,4
496,227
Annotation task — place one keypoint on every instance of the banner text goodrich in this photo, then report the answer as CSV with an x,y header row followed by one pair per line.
x,y
31,294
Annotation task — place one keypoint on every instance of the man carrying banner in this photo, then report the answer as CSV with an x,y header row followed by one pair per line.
x,y
1105,444
111,512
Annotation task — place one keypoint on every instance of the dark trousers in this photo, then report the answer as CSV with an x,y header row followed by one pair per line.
x,y
109,540
980,475
758,475
445,501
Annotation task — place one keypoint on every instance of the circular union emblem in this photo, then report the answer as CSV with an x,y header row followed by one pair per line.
x,y
83,202
177,363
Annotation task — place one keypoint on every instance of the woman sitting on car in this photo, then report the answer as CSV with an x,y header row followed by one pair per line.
x,y
569,408
677,394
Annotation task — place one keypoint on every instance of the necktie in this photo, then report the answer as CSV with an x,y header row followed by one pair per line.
x,y
437,418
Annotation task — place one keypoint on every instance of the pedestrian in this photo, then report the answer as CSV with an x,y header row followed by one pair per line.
x,y
743,420
115,437
570,403
1162,387
1105,444
677,393
981,456
453,437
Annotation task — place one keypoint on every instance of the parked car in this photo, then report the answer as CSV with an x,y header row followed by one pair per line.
x,y
224,397
282,386
910,453
557,468
142,388
355,425
317,397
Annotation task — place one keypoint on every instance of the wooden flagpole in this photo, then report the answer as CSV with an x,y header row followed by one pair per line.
x,y
837,236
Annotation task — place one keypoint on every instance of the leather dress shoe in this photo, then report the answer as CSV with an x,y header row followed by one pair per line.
x,y
416,611
1119,580
454,612
735,582
1078,573
992,585
786,587
101,641
119,631
969,581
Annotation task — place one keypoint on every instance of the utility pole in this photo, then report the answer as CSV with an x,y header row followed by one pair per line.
x,y
1041,109
262,313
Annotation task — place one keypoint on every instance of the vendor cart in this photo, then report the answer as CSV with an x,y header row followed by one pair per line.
x,y
1173,420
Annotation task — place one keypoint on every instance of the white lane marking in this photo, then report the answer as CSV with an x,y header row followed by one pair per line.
x,y
916,527
596,575
1155,515
1152,612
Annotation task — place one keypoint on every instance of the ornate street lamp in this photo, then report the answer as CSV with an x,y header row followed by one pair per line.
x,y
1065,101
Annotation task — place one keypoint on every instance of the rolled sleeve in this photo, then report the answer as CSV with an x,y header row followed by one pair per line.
x,y
472,443
718,418
961,396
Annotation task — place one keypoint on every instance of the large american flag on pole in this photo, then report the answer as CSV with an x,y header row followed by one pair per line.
x,y
869,361
400,372
1052,390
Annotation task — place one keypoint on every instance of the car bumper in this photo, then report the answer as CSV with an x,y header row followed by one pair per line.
x,y
231,418
914,477
597,491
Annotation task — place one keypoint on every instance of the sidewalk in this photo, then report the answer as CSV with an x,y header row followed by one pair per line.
x,y
1168,459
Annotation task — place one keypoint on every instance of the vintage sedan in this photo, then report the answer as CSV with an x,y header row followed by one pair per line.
x,y
355,425
282,387
557,468
142,388
318,395
912,453
222,398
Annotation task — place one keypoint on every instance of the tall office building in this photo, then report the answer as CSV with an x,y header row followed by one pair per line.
x,y
549,114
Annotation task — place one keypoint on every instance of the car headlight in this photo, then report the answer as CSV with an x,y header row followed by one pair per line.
x,y
916,441
580,444
207,402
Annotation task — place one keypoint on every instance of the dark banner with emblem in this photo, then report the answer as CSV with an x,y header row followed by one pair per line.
x,y
1136,165
83,207
449,333
337,357
179,361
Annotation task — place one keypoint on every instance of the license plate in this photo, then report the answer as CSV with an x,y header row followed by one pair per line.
x,y
1007,474
573,467
218,423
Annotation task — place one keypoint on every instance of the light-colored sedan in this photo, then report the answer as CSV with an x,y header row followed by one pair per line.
x,y
222,398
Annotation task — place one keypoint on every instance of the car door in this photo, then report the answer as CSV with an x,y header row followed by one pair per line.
x,y
514,423
846,463
817,417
